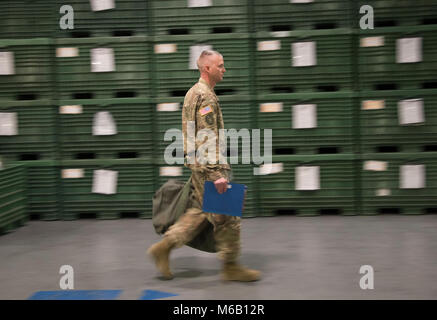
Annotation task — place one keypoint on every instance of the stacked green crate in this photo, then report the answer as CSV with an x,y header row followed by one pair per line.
x,y
176,69
166,171
239,121
199,16
107,18
402,183
241,173
396,67
168,128
308,185
236,110
42,189
12,197
296,61
286,15
107,189
398,121
106,67
128,136
402,12
27,89
308,123
304,82
31,130
398,58
27,19
26,69
244,174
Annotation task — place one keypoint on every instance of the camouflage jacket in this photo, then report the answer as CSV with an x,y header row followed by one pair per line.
x,y
201,107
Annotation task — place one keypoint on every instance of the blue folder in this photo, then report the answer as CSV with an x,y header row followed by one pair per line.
x,y
229,202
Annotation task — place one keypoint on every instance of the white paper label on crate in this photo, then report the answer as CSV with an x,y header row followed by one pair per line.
x,y
166,48
303,53
7,63
307,178
280,34
372,41
304,116
170,171
8,124
409,50
410,111
301,1
269,168
195,52
67,52
271,107
74,109
372,165
270,45
1,164
199,3
100,5
412,176
73,173
168,107
383,192
102,60
105,181
373,104
104,124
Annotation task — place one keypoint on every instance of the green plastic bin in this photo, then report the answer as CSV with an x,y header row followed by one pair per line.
x,y
331,132
42,188
278,194
25,19
241,173
133,122
36,131
401,12
378,59
381,190
31,77
127,18
174,76
244,174
236,110
134,189
383,128
184,17
13,212
284,15
331,68
130,78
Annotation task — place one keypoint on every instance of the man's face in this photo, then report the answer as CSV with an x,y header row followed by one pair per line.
x,y
217,68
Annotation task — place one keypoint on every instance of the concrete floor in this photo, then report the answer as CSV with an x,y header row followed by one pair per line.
x,y
300,257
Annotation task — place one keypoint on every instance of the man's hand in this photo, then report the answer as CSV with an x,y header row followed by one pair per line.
x,y
221,185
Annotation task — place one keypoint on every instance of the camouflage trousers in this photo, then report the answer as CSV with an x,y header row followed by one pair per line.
x,y
226,228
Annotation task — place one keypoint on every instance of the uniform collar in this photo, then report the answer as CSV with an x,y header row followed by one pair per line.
x,y
205,83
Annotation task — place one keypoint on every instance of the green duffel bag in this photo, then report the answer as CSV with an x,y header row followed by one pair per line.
x,y
169,204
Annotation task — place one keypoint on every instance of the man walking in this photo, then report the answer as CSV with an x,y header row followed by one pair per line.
x,y
201,109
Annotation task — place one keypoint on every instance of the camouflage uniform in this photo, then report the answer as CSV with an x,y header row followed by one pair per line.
x,y
202,106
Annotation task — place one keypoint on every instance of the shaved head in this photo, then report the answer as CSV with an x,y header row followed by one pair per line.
x,y
205,58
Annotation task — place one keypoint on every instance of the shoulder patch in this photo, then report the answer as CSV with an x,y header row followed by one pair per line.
x,y
205,110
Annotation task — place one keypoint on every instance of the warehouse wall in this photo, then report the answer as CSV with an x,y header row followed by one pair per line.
x,y
352,110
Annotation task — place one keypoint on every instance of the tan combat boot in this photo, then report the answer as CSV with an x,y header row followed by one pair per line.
x,y
236,272
160,253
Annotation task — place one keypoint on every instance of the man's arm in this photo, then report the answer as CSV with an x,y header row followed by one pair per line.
x,y
203,112
206,119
